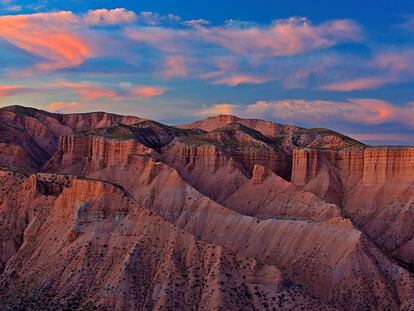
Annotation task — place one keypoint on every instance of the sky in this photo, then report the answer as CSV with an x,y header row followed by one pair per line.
x,y
343,65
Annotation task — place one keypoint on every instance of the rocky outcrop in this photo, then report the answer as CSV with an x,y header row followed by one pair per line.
x,y
47,184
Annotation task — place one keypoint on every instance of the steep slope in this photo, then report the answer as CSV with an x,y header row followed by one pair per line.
x,y
267,195
354,273
88,245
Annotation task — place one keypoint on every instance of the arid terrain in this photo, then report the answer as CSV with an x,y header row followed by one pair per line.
x,y
107,212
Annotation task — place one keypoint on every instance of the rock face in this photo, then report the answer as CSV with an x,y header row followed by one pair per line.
x,y
99,211
371,166
37,132
374,186
78,153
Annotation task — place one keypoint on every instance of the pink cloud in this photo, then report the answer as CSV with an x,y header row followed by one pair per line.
x,y
175,66
110,17
48,36
63,107
284,37
397,62
361,111
357,84
8,90
87,90
238,79
367,111
222,66
219,109
146,91
164,39
93,91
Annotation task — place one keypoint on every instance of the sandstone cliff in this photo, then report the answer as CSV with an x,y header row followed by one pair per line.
x,y
373,185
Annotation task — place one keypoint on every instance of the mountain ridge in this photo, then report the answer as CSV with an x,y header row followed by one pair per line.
x,y
183,218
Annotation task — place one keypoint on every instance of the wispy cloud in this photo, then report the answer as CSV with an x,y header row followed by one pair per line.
x,y
175,66
153,18
358,84
238,79
63,107
86,90
93,91
401,61
380,137
8,90
48,36
256,43
354,111
219,109
284,37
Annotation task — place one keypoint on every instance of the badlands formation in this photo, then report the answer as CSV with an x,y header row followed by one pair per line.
x,y
109,212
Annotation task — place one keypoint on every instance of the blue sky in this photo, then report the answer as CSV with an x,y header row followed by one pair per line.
x,y
348,66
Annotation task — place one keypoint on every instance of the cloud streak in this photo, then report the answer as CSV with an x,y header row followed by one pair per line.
x,y
357,84
285,37
94,91
63,107
47,36
8,90
239,79
356,111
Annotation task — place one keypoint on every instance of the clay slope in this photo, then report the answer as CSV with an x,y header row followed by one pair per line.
x,y
29,136
374,186
355,274
70,243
